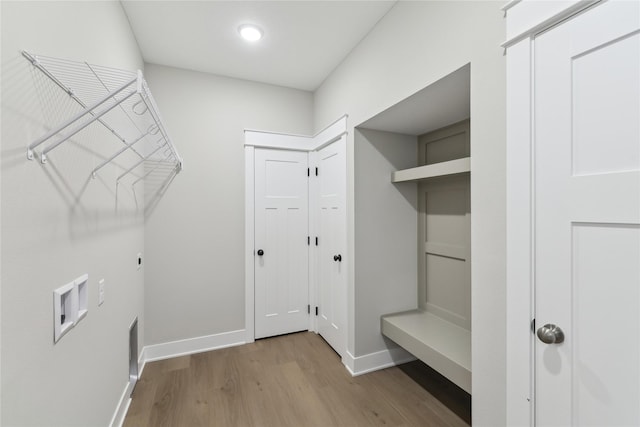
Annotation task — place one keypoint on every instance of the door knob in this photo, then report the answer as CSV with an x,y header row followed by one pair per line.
x,y
550,334
260,252
337,258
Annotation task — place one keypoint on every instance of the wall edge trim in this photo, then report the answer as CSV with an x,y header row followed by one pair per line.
x,y
359,365
194,345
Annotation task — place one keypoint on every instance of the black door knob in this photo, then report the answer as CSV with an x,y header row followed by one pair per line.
x,y
260,252
337,258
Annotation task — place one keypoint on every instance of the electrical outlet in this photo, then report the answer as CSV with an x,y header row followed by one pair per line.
x,y
100,291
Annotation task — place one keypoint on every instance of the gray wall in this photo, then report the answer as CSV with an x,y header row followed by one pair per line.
x,y
194,239
415,44
53,231
386,229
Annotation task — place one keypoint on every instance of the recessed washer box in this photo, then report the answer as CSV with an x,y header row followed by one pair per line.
x,y
65,309
70,305
83,296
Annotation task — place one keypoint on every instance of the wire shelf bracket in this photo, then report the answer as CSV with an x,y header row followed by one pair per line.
x,y
119,100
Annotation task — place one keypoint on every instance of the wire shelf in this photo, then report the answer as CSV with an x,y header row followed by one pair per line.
x,y
119,100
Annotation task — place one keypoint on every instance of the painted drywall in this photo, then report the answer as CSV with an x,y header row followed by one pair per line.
x,y
58,224
386,222
414,45
194,238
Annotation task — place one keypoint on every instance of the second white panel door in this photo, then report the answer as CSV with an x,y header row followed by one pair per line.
x,y
331,223
281,250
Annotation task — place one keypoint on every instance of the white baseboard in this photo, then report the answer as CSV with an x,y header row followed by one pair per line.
x,y
193,345
375,361
174,349
142,362
123,406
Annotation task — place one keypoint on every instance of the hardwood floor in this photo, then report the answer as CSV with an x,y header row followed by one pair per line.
x,y
292,380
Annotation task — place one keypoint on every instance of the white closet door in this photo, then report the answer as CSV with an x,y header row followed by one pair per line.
x,y
587,218
331,222
281,250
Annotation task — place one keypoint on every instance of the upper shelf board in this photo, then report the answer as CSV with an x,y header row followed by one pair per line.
x,y
432,171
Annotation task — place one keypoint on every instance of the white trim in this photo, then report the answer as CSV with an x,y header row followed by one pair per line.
x,y
277,141
351,251
509,5
142,362
330,140
283,141
341,118
194,345
123,406
349,362
375,361
343,124
269,132
313,249
519,357
530,17
249,245
331,133
265,139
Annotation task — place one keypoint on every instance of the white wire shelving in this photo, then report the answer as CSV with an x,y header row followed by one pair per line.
x,y
119,100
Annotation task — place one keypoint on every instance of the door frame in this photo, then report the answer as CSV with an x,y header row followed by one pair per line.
x,y
525,20
281,141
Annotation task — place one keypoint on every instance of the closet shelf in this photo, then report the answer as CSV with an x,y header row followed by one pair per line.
x,y
119,100
444,346
432,171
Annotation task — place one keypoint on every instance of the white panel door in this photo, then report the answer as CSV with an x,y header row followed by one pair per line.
x,y
587,218
281,250
331,227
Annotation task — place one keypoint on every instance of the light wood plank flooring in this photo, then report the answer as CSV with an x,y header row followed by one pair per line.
x,y
292,380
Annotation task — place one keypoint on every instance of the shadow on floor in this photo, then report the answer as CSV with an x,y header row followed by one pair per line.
x,y
452,396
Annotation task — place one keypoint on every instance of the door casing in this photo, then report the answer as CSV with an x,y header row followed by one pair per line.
x,y
257,139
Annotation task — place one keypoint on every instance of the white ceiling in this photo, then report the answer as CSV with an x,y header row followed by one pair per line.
x,y
442,103
303,40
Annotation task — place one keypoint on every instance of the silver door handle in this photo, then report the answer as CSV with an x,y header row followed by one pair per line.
x,y
550,334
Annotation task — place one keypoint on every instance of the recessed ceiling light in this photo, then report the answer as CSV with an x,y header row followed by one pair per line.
x,y
250,32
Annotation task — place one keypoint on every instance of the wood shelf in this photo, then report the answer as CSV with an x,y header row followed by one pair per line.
x,y
442,345
451,167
